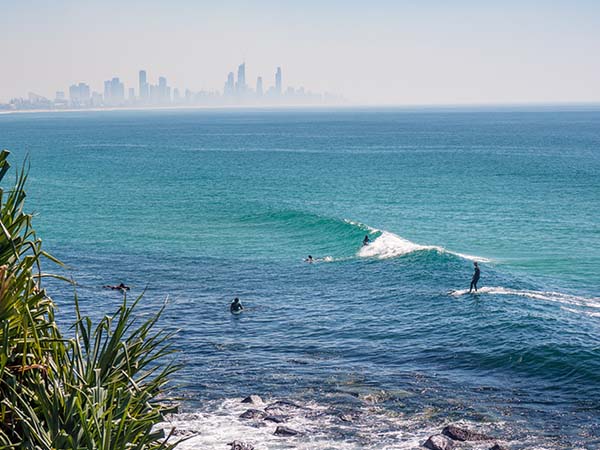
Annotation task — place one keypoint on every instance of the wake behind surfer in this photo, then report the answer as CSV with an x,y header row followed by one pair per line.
x,y
236,307
366,240
475,279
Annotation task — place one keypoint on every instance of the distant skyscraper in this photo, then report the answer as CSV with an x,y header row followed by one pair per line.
x,y
107,86
259,87
164,91
60,95
74,94
131,94
84,93
143,87
117,92
241,81
229,85
278,85
79,94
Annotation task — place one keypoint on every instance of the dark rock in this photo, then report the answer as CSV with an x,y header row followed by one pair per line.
x,y
285,431
438,442
253,414
498,447
462,434
239,445
276,419
253,399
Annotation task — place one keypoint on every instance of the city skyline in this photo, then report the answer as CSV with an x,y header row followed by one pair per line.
x,y
384,52
115,94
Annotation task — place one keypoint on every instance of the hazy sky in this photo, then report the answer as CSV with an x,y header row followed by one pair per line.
x,y
377,51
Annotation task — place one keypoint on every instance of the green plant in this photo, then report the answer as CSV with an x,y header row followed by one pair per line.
x,y
97,387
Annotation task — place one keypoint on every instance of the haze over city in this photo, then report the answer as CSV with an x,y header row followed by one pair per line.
x,y
381,52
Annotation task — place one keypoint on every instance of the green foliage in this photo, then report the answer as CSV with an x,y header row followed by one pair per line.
x,y
103,387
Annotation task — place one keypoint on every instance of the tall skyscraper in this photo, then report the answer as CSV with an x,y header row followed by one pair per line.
x,y
117,92
143,87
229,85
164,91
278,85
259,87
241,81
107,86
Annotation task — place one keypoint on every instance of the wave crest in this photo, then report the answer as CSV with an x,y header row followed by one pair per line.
x,y
389,245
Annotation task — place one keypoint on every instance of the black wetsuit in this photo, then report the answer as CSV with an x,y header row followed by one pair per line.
x,y
475,279
236,307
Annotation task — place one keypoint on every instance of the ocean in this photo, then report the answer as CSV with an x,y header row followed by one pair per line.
x,y
381,345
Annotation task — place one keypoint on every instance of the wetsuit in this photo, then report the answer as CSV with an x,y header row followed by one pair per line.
x,y
236,307
475,279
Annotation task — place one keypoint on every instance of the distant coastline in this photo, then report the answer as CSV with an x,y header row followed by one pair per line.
x,y
561,106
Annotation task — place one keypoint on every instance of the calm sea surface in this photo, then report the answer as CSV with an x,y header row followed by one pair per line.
x,y
203,206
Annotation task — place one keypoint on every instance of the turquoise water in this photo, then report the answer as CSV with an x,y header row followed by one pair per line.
x,y
202,206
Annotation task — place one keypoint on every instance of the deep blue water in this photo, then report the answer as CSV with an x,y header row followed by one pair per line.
x,y
202,206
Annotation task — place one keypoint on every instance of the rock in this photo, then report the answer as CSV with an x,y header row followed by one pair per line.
x,y
253,414
498,447
462,434
438,442
285,431
253,399
276,419
239,445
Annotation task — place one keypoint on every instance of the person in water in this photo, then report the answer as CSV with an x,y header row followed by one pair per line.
x,y
366,240
309,259
120,287
475,279
236,306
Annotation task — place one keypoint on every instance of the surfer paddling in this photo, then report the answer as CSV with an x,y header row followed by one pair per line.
x,y
119,287
236,307
309,260
475,279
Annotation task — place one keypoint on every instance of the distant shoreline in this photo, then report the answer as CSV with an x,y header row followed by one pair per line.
x,y
522,107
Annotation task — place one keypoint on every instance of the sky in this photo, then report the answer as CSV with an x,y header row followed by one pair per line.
x,y
373,52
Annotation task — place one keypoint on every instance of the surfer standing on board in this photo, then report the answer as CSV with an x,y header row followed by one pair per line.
x,y
475,278
366,240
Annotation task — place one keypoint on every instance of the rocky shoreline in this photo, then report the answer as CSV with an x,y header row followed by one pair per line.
x,y
280,419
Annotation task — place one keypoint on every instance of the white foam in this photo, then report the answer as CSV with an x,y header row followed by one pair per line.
x,y
220,424
551,296
390,245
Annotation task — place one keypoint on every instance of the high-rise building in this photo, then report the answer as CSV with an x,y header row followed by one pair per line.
x,y
164,91
74,94
259,87
84,93
241,79
60,95
107,86
117,92
131,95
143,86
229,85
278,85
79,94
